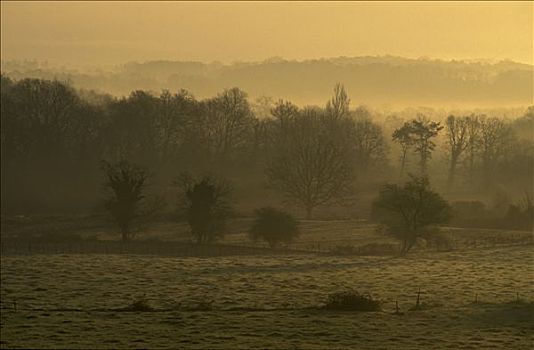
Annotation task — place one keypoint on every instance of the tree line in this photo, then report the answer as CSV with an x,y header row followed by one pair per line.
x,y
54,139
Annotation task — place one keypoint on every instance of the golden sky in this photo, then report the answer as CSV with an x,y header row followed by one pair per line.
x,y
115,32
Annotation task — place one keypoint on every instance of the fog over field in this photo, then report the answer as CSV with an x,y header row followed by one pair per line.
x,y
278,175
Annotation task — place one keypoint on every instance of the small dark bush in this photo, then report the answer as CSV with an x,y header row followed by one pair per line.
x,y
352,301
274,226
140,305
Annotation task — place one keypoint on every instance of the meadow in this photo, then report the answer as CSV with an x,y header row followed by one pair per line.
x,y
471,296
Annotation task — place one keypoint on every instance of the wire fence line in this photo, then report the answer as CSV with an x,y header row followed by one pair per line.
x,y
188,249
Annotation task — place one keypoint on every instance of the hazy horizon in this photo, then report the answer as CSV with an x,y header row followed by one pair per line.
x,y
270,59
214,32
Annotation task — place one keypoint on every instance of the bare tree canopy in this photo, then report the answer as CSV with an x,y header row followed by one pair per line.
x,y
338,106
312,162
458,141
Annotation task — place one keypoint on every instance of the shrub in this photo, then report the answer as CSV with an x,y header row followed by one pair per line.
x,y
352,301
273,226
140,304
409,211
206,206
125,183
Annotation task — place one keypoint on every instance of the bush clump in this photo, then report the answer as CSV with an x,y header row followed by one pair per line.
x,y
274,226
352,301
140,304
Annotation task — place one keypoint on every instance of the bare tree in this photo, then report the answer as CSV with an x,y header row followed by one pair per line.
x,y
458,141
229,121
473,134
494,138
312,163
284,110
47,113
338,106
370,148
172,114
404,138
284,113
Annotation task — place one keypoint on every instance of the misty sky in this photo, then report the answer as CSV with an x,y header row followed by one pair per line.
x,y
107,32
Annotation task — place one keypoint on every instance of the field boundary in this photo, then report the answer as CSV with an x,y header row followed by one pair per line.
x,y
169,248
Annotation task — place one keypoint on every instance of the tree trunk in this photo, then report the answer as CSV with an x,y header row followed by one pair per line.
x,y
403,248
424,163
471,164
403,162
125,232
452,172
309,210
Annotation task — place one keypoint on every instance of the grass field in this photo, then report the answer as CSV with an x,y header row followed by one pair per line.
x,y
74,301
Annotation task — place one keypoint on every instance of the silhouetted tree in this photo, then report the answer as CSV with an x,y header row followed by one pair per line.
x,y
313,159
417,133
273,226
423,131
338,106
172,115
370,147
473,134
229,123
403,136
458,140
408,212
284,111
126,183
493,142
206,206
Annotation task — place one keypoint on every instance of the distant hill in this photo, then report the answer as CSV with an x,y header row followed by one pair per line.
x,y
385,80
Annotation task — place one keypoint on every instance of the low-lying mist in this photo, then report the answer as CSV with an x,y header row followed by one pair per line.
x,y
381,81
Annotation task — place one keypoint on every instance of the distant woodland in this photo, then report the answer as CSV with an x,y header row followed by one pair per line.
x,y
386,81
